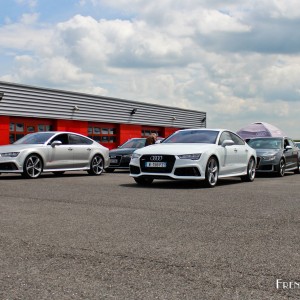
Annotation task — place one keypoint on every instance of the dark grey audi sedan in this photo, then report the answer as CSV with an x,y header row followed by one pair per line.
x,y
275,154
121,156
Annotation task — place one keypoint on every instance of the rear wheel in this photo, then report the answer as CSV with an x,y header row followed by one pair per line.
x,y
250,171
281,168
212,172
33,166
143,181
96,167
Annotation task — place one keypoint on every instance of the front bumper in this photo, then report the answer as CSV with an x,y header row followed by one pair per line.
x,y
266,165
10,165
176,168
119,162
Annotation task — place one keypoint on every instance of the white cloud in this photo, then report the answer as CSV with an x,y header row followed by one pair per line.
x,y
30,3
223,58
29,18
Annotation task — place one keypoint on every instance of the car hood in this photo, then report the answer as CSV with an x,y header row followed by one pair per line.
x,y
122,151
176,148
15,148
267,152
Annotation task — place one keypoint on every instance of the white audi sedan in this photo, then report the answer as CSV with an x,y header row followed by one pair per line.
x,y
195,154
55,152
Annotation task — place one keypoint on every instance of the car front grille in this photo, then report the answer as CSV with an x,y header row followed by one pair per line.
x,y
134,170
168,159
266,168
118,160
258,161
9,166
188,171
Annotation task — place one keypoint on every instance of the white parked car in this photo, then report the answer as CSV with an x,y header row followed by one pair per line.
x,y
53,151
195,154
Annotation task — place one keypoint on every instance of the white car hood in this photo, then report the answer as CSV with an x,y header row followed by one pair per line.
x,y
16,148
175,148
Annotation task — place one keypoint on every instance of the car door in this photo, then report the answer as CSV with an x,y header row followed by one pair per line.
x,y
81,150
60,156
291,155
227,164
241,153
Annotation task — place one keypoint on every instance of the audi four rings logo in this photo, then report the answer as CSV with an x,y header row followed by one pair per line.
x,y
156,158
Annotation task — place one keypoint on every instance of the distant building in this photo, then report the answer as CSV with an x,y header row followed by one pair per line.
x,y
110,121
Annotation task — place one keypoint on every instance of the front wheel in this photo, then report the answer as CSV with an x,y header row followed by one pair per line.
x,y
143,181
281,168
33,166
250,171
212,172
96,166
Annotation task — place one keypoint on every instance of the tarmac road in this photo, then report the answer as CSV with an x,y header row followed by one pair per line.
x,y
84,237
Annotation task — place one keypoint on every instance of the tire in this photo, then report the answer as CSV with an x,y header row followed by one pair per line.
x,y
33,166
109,170
281,168
211,172
97,165
58,173
250,171
143,181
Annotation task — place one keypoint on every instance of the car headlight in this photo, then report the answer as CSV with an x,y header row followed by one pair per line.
x,y
10,154
194,156
268,158
136,155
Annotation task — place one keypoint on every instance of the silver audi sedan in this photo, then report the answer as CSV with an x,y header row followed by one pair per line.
x,y
55,152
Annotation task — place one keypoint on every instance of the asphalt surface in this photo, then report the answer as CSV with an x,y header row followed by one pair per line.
x,y
83,237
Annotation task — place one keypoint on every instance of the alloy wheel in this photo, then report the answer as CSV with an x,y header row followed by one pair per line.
x,y
212,172
96,165
33,166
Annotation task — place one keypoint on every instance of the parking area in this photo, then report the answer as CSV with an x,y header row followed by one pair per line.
x,y
84,237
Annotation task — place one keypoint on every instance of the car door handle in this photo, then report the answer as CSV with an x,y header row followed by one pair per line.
x,y
235,150
88,149
246,150
70,149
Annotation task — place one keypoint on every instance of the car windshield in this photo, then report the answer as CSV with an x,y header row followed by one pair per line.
x,y
35,138
193,136
135,143
266,143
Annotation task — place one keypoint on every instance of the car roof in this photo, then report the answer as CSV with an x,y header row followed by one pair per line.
x,y
269,137
202,129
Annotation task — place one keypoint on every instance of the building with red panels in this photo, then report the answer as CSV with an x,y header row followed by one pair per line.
x,y
110,121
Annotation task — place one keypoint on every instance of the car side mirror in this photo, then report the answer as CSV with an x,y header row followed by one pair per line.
x,y
227,143
287,148
56,143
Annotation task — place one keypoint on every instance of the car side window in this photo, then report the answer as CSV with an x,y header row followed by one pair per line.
x,y
61,137
79,140
286,143
291,143
237,140
224,136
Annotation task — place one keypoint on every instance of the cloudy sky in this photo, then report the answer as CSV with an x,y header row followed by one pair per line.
x,y
239,61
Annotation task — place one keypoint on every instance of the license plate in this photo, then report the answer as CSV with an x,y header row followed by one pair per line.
x,y
113,161
156,164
